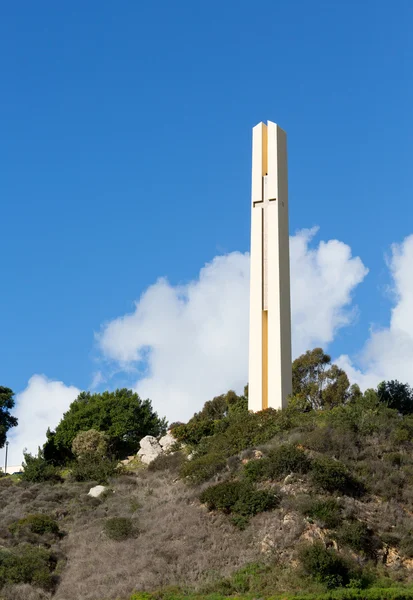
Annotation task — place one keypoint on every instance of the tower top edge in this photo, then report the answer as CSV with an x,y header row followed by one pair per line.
x,y
267,124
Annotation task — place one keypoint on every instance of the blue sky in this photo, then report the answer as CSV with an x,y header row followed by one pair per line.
x,y
125,154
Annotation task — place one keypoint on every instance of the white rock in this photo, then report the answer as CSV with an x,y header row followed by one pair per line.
x,y
150,449
167,441
97,491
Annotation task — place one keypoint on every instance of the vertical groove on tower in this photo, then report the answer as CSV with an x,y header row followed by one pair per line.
x,y
264,359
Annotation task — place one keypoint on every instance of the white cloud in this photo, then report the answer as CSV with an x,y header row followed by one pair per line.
x,y
322,282
194,337
388,353
39,406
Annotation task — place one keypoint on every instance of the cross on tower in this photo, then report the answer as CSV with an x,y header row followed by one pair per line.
x,y
264,205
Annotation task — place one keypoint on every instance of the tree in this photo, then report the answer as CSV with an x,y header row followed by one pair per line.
x,y
6,419
396,395
318,382
121,415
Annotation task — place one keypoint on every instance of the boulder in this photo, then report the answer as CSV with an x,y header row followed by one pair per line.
x,y
167,441
97,491
150,449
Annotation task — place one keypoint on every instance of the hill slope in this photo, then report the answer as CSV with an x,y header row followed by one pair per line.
x,y
298,500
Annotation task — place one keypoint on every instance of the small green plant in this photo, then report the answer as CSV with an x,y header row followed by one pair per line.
x,y
359,537
193,432
281,461
326,511
134,505
36,469
119,528
332,476
167,462
27,564
36,523
406,546
257,470
202,468
324,565
239,498
94,468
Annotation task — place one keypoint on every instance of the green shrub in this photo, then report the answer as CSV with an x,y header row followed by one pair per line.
x,y
288,458
257,470
36,469
193,432
324,565
94,468
326,512
239,497
406,546
202,468
90,443
27,564
358,536
281,461
395,459
167,462
332,476
119,528
36,523
240,521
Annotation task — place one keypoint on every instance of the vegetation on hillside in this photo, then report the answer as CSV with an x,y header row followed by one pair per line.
x,y
316,498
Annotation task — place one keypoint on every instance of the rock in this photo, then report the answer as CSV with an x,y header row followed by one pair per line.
x,y
150,449
97,491
167,441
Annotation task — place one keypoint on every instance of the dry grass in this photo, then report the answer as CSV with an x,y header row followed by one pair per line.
x,y
23,592
180,543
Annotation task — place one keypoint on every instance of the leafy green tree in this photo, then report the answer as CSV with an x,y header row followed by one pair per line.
x,y
121,415
221,406
319,383
6,419
396,395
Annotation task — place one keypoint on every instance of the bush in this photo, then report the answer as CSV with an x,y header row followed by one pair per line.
x,y
281,461
257,469
36,523
203,468
324,565
239,497
36,469
90,443
167,462
27,564
119,528
406,546
359,537
332,476
326,512
94,468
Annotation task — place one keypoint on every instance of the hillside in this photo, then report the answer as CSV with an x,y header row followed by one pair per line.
x,y
266,504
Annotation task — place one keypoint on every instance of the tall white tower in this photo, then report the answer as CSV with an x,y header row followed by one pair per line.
x,y
270,378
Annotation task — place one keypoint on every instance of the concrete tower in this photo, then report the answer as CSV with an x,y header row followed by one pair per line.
x,y
270,380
